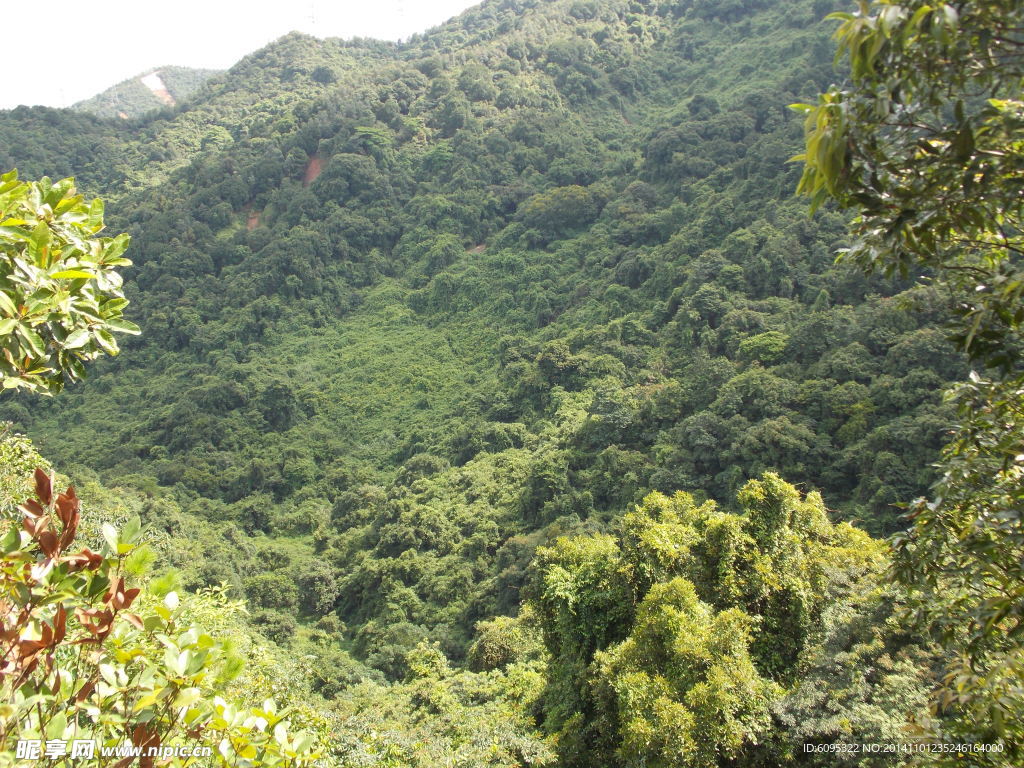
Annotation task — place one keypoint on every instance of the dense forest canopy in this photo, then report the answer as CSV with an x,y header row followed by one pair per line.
x,y
474,364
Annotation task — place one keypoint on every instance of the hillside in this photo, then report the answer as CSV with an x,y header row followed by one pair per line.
x,y
156,89
411,312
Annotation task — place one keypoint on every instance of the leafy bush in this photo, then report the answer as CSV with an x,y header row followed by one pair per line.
x,y
60,296
80,665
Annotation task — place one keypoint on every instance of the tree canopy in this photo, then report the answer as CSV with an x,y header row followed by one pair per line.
x,y
926,144
678,640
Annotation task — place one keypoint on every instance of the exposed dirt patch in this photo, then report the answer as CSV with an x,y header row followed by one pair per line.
x,y
157,87
253,221
316,165
477,249
164,96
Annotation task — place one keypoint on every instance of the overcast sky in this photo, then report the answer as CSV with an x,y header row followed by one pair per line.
x,y
74,49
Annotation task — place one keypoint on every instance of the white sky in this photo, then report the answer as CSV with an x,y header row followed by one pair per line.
x,y
63,51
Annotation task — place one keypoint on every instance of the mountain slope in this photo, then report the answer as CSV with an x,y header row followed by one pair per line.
x,y
415,310
158,88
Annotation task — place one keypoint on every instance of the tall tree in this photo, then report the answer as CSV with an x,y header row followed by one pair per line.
x,y
927,144
674,641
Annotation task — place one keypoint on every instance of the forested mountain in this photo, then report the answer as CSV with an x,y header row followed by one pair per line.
x,y
158,88
413,312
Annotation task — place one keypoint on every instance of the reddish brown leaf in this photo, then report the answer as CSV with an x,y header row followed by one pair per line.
x,y
85,618
84,559
143,736
115,593
67,504
60,620
135,620
68,534
32,508
105,624
44,486
48,543
27,647
84,691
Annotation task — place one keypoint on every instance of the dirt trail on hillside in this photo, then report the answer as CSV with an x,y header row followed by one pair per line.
x,y
312,170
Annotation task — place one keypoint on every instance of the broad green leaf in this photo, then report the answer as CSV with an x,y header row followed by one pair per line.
x,y
96,214
32,339
15,233
281,734
131,530
77,339
110,536
116,247
56,726
187,697
108,674
303,741
7,306
107,341
124,326
10,540
41,238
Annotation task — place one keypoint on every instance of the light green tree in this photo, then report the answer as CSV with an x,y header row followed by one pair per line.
x,y
674,642
683,686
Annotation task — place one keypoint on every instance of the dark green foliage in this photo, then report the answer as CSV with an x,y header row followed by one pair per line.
x,y
934,173
272,590
866,663
412,311
275,625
